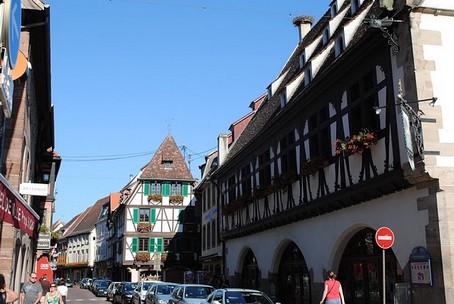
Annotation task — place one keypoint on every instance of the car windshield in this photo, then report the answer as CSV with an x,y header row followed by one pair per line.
x,y
197,292
234,297
104,283
146,286
165,289
130,286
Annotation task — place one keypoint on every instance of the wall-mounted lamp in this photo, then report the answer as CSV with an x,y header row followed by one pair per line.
x,y
432,102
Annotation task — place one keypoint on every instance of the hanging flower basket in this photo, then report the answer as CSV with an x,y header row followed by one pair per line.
x,y
144,227
142,256
176,199
356,144
155,198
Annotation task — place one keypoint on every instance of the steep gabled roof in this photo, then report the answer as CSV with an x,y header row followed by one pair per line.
x,y
167,163
87,220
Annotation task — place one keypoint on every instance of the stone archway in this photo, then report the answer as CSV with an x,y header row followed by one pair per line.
x,y
250,272
293,284
360,270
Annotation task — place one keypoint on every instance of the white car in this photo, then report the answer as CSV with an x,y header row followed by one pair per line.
x,y
138,296
237,296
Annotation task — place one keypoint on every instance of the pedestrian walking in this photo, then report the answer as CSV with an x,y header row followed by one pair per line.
x,y
6,295
31,291
45,284
63,290
333,293
53,296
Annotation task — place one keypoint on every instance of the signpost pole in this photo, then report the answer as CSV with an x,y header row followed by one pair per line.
x,y
384,277
384,237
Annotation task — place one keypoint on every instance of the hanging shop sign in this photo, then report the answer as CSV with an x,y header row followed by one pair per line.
x,y
15,210
34,189
12,22
6,85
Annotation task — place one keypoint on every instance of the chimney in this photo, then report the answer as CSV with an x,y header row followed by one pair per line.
x,y
223,148
304,24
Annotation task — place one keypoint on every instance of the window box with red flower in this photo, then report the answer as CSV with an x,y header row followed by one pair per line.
x,y
313,165
142,256
356,144
144,227
155,197
176,199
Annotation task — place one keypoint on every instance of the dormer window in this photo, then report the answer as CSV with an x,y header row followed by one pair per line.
x,y
270,92
283,98
339,46
307,76
326,35
334,9
167,164
302,59
355,4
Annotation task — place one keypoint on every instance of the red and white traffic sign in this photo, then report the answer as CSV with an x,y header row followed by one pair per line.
x,y
384,237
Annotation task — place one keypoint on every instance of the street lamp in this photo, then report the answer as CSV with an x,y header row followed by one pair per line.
x,y
411,125
404,102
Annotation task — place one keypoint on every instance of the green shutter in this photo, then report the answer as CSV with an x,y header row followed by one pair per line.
x,y
153,215
135,215
159,244
181,216
151,245
166,189
185,190
134,244
146,188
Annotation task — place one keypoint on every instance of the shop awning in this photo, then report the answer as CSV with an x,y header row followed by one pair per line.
x,y
15,210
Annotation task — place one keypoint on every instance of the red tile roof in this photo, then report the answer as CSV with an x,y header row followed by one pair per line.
x,y
167,163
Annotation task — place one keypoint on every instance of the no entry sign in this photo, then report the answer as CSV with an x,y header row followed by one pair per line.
x,y
384,237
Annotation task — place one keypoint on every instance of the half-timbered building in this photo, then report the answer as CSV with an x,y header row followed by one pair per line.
x,y
349,140
159,236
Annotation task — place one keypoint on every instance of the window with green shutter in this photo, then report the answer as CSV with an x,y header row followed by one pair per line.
x,y
151,245
146,188
135,215
166,189
185,190
134,244
153,215
180,216
159,244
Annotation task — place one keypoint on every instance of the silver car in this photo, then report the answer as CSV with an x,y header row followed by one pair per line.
x,y
190,293
237,296
111,290
159,293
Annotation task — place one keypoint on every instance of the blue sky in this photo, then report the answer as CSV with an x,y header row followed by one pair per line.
x,y
125,73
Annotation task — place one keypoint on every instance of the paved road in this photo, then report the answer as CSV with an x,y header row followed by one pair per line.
x,y
77,295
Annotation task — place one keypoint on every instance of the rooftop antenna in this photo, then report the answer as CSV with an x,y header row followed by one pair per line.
x,y
169,125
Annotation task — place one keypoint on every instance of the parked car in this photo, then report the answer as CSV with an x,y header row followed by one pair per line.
x,y
94,284
138,296
83,283
111,290
88,283
237,296
68,282
101,288
159,293
123,294
190,293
